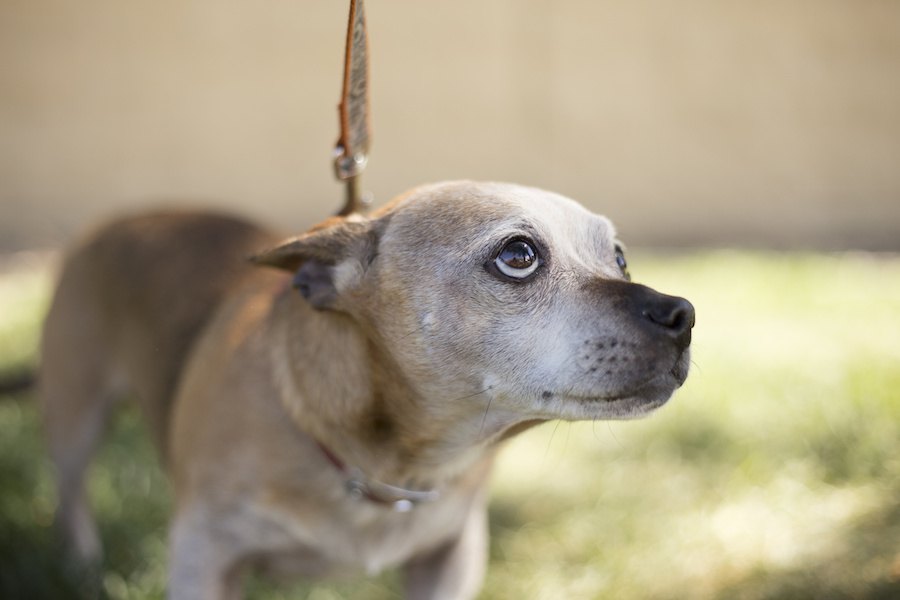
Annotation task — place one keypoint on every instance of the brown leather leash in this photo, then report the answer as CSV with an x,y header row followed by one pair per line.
x,y
352,148
350,157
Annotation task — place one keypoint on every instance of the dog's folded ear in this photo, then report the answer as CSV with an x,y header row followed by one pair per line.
x,y
328,261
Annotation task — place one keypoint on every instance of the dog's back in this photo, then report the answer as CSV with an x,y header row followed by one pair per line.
x,y
131,299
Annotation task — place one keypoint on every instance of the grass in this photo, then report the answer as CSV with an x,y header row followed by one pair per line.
x,y
773,474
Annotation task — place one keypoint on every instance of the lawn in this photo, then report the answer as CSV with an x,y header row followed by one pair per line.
x,y
774,473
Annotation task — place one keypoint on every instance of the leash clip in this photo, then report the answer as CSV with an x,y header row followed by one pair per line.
x,y
347,166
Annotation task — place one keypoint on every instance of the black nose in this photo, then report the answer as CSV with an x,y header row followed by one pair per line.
x,y
674,314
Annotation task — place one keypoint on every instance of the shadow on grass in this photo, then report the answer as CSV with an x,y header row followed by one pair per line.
x,y
29,558
131,503
128,496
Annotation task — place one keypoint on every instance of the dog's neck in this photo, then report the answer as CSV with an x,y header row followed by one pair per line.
x,y
343,390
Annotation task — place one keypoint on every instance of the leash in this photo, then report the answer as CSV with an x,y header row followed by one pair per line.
x,y
350,158
351,150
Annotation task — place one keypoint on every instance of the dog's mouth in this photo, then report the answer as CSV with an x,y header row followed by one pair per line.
x,y
671,379
634,401
617,407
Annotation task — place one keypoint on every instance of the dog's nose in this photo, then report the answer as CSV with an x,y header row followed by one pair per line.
x,y
659,315
674,314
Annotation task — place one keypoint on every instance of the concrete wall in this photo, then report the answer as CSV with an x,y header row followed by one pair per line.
x,y
774,122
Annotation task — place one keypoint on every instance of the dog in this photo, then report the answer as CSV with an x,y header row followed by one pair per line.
x,y
338,410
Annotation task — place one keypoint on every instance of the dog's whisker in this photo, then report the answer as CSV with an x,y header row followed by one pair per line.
x,y
414,331
568,435
487,408
613,434
552,435
471,395
484,416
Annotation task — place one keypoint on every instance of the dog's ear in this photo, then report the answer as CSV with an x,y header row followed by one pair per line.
x,y
327,261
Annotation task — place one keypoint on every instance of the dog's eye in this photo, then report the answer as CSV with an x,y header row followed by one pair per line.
x,y
623,264
517,259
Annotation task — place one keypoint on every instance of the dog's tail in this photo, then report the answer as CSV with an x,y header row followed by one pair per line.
x,y
17,382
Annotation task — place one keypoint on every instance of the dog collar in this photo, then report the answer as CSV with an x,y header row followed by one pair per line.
x,y
362,488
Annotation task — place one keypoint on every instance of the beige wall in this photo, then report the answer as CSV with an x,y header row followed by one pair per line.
x,y
701,121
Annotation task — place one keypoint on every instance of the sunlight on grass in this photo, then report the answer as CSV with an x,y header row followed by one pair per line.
x,y
764,468
24,284
774,473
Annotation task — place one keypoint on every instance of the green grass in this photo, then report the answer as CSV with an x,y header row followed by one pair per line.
x,y
773,474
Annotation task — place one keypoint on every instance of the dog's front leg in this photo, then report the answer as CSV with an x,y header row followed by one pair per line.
x,y
455,570
201,567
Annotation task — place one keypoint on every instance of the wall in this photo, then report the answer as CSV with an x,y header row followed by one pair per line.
x,y
768,123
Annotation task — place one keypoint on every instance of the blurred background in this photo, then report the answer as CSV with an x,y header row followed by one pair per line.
x,y
698,122
749,153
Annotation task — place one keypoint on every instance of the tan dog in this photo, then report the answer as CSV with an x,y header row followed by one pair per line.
x,y
351,426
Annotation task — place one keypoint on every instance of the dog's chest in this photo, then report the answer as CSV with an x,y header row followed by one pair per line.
x,y
352,536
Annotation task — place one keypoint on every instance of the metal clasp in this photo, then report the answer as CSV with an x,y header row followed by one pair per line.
x,y
347,166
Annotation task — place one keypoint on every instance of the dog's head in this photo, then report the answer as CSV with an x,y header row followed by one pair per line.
x,y
501,296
